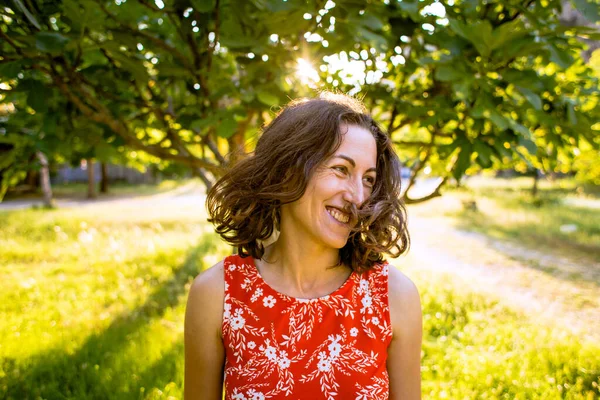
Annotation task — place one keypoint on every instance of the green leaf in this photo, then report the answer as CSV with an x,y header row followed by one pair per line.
x,y
37,98
590,10
227,127
483,154
529,145
479,34
371,22
521,129
446,73
200,124
50,42
507,33
464,160
571,114
267,98
10,70
131,64
532,97
50,124
170,70
560,57
499,120
203,6
411,7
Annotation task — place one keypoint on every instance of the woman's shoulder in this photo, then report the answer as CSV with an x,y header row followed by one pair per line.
x,y
209,279
404,299
205,299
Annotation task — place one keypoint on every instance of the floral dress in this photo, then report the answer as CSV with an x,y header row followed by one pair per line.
x,y
280,347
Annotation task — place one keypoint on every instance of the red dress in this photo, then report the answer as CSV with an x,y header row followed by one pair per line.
x,y
280,347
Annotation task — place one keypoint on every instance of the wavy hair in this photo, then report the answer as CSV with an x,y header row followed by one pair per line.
x,y
245,204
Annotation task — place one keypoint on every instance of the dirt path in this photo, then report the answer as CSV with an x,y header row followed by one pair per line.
x,y
552,290
190,192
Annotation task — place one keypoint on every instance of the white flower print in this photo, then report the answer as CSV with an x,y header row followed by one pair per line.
x,y
269,301
271,353
251,345
257,293
366,301
385,270
284,362
375,320
255,395
227,310
238,396
237,322
364,286
324,365
334,349
353,332
231,267
247,284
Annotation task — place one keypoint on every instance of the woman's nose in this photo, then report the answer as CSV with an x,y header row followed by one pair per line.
x,y
354,193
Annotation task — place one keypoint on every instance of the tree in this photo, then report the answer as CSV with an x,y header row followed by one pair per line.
x,y
474,84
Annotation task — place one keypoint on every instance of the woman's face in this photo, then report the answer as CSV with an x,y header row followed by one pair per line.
x,y
345,178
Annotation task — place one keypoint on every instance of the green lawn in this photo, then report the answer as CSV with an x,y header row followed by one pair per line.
x,y
92,303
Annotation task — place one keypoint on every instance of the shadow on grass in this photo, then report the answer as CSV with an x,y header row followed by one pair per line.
x,y
547,242
97,369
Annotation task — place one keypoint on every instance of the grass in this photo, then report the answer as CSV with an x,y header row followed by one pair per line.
x,y
559,221
92,302
475,348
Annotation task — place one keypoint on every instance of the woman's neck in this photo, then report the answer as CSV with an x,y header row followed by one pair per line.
x,y
302,267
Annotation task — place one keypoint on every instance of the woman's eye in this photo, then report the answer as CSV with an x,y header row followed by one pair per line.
x,y
370,180
340,168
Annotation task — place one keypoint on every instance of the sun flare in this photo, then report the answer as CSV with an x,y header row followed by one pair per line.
x,y
306,72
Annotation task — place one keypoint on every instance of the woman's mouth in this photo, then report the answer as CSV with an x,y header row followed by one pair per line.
x,y
338,215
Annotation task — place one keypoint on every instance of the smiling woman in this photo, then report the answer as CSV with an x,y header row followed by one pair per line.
x,y
309,308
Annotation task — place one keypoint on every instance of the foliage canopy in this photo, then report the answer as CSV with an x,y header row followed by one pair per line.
x,y
471,84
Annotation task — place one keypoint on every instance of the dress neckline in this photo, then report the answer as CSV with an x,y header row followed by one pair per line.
x,y
343,286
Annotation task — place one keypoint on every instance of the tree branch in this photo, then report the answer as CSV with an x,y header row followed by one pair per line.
x,y
435,193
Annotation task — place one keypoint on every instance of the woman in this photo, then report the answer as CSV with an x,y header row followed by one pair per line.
x,y
308,309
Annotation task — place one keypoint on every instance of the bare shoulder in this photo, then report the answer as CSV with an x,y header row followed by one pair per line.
x,y
404,301
204,351
404,352
205,299
211,280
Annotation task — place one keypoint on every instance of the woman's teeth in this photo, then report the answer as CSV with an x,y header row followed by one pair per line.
x,y
341,217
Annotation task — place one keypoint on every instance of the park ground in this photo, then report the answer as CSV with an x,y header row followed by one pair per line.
x,y
93,293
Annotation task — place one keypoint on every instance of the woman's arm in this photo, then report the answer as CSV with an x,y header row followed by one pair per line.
x,y
204,352
404,353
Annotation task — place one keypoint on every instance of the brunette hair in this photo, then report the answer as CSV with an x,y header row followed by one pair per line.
x,y
245,203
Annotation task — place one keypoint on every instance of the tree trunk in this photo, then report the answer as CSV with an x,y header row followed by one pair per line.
x,y
45,179
32,180
91,179
536,177
103,178
237,142
237,148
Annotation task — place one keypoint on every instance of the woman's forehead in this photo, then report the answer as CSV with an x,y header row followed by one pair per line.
x,y
358,144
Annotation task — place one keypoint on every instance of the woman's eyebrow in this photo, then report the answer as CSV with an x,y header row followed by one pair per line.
x,y
351,161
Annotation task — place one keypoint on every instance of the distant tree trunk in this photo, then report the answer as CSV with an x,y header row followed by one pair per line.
x,y
103,178
237,147
45,179
536,178
237,142
91,179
